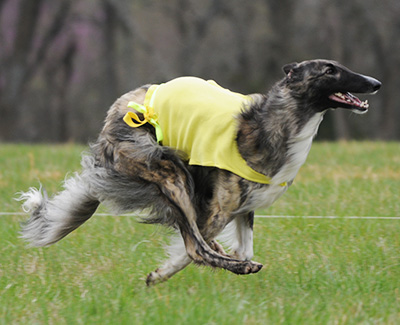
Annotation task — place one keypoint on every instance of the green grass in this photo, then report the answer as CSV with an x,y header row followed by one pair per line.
x,y
316,271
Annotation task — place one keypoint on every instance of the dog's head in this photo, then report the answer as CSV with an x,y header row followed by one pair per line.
x,y
327,84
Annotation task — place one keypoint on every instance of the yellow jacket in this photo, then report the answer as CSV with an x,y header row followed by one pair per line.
x,y
197,117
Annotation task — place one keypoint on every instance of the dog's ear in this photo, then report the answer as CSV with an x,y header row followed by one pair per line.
x,y
289,68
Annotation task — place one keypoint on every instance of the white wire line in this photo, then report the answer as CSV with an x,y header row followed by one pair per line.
x,y
257,216
327,217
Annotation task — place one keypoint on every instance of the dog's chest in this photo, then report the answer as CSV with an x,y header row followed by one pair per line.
x,y
262,197
298,149
265,196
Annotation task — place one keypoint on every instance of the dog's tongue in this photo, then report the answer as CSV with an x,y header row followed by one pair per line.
x,y
348,99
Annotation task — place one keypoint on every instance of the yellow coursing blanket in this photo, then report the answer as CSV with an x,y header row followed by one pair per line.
x,y
197,117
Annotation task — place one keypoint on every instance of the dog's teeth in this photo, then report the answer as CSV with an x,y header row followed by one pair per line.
x,y
364,104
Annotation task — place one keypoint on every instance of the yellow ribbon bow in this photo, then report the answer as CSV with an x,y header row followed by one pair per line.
x,y
149,116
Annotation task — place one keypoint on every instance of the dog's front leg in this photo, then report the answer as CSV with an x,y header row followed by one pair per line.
x,y
178,260
242,246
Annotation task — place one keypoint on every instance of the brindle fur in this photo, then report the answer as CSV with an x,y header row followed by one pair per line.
x,y
128,170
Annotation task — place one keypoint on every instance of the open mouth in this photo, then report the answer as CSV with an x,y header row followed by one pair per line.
x,y
350,101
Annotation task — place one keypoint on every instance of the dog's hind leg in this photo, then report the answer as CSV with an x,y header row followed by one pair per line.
x,y
239,234
178,260
168,172
197,247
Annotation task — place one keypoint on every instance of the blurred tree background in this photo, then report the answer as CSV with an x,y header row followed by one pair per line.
x,y
63,63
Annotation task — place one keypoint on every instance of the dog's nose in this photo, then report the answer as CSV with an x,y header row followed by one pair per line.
x,y
376,84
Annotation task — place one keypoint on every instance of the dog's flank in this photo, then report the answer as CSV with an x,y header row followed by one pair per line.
x,y
129,171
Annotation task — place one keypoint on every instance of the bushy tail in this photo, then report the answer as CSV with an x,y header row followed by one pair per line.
x,y
54,218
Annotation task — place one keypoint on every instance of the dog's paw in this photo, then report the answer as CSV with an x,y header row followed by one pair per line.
x,y
154,278
254,267
248,267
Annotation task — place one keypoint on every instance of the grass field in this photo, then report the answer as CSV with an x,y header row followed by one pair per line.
x,y
316,271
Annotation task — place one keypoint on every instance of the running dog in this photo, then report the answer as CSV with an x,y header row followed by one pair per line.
x,y
197,157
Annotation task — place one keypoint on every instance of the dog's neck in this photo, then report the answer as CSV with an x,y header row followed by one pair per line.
x,y
275,134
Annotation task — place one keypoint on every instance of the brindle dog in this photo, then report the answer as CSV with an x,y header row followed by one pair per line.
x,y
130,171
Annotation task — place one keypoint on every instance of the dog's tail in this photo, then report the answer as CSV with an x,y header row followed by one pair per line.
x,y
54,218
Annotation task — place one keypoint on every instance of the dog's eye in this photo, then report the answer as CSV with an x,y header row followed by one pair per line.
x,y
330,71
